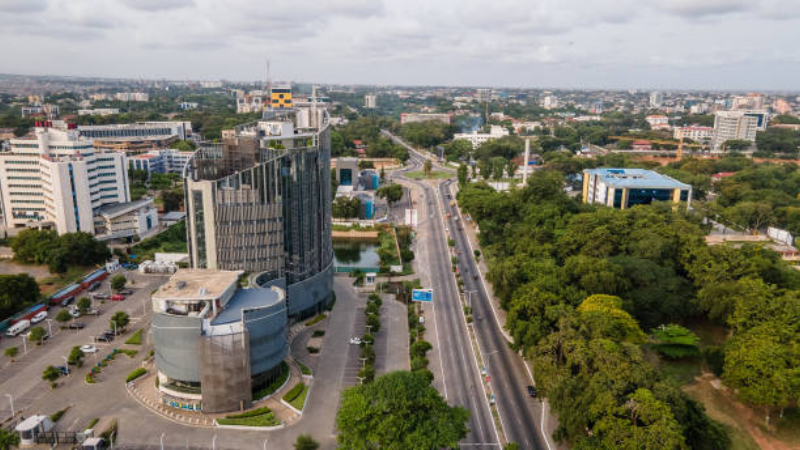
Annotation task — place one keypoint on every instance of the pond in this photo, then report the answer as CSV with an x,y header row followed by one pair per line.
x,y
352,254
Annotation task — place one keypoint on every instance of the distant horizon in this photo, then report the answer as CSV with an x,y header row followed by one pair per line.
x,y
415,86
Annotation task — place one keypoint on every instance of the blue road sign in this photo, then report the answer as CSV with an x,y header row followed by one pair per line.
x,y
422,295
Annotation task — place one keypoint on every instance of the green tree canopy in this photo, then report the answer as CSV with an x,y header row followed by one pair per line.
x,y
399,410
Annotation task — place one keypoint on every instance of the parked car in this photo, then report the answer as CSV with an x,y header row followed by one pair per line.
x,y
100,296
75,326
67,301
40,316
126,292
117,298
532,391
355,341
88,348
93,312
104,338
18,328
62,369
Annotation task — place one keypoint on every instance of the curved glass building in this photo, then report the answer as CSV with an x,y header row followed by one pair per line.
x,y
260,202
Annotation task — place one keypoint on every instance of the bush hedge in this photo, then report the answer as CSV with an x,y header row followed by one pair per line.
x,y
136,373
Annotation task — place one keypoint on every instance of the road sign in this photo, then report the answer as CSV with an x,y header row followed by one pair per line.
x,y
422,295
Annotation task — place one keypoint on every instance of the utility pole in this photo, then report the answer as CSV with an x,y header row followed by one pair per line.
x,y
525,162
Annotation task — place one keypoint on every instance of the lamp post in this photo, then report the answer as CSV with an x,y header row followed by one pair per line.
x,y
114,324
265,444
25,344
49,326
66,363
162,441
11,399
469,298
214,443
94,353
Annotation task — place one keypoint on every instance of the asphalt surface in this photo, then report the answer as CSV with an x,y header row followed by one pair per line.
x,y
520,415
461,382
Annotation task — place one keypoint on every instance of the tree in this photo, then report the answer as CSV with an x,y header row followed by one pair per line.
x,y
392,193
120,319
37,334
399,410
752,215
8,439
346,208
172,199
427,166
11,352
118,282
51,374
84,304
305,442
462,174
16,292
75,357
184,146
63,316
736,145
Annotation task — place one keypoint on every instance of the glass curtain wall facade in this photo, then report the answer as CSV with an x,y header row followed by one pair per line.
x,y
261,204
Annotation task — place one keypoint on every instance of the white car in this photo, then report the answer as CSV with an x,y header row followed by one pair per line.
x,y
88,348
355,341
40,316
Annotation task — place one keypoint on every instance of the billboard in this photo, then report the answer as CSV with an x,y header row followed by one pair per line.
x,y
422,295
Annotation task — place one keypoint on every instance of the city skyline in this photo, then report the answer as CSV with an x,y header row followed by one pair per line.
x,y
671,44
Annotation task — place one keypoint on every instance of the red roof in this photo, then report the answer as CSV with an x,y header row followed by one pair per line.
x,y
357,142
723,175
641,142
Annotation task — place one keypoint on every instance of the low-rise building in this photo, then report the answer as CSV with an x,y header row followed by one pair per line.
x,y
125,220
98,112
476,139
131,97
215,343
697,134
624,188
657,121
426,117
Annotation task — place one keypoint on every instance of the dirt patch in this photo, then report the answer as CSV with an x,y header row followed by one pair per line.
x,y
748,430
14,268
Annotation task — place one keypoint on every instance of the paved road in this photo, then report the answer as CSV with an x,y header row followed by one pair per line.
x,y
521,415
461,384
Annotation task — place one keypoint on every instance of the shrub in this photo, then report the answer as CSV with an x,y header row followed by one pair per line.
x,y
316,320
51,374
261,417
312,350
368,352
419,349
419,362
130,353
135,373
374,322
112,429
11,352
136,339
75,357
90,378
294,392
367,373
92,423
58,414
372,308
303,368
368,339
318,333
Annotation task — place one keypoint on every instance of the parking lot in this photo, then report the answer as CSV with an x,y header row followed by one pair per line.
x,y
22,378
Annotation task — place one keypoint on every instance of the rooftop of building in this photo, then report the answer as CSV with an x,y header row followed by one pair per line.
x,y
118,209
636,178
197,284
245,299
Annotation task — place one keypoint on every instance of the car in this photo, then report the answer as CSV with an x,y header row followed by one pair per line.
x,y
75,326
62,369
74,312
67,301
104,338
355,341
40,316
89,348
117,298
126,292
100,296
532,391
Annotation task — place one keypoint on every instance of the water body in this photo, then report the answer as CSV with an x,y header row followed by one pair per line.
x,y
352,254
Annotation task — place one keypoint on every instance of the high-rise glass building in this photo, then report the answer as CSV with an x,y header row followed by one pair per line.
x,y
260,202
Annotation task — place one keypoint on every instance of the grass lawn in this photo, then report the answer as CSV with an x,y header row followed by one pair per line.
x,y
136,338
261,417
435,175
297,396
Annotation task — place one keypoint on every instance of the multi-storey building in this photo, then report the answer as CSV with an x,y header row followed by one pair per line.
x,y
98,112
656,99
260,202
550,102
697,134
624,188
131,97
423,117
733,125
371,101
249,103
483,95
476,139
657,121
161,161
750,101
59,180
280,96
215,344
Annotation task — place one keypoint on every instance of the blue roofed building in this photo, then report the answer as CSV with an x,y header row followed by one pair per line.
x,y
624,188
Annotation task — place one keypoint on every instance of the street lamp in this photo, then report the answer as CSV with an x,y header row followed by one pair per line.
x,y
11,399
162,441
114,324
469,297
265,444
25,343
66,363
95,354
144,308
214,443
49,326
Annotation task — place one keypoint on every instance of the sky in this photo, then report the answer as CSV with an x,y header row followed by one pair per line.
x,y
619,44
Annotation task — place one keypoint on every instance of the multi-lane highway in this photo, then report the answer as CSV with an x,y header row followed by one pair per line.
x,y
520,415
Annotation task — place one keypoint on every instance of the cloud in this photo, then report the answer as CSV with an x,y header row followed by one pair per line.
x,y
703,8
158,5
23,6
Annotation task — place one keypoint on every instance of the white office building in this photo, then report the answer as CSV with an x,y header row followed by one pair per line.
x,y
371,101
98,112
697,134
733,125
131,97
476,139
550,102
124,220
656,99
59,180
